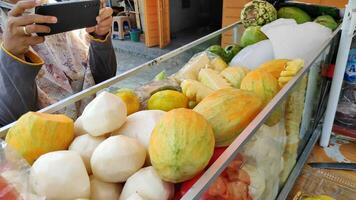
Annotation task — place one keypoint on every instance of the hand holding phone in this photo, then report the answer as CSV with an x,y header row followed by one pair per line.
x,y
70,15
20,31
104,22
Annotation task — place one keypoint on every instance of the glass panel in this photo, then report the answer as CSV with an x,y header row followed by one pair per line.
x,y
264,163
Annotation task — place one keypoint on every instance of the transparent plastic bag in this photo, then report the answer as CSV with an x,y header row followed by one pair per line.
x,y
205,59
14,176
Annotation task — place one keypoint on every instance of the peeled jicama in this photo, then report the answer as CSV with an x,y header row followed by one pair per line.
x,y
135,196
254,55
106,113
60,175
147,184
140,125
101,190
117,158
85,146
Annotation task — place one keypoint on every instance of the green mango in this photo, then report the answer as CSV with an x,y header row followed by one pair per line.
x,y
231,51
295,13
327,20
217,50
252,35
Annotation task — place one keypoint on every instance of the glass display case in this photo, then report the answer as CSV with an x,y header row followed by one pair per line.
x,y
263,161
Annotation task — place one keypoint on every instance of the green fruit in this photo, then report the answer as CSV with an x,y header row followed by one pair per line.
x,y
327,20
252,35
231,51
161,76
258,13
217,50
294,13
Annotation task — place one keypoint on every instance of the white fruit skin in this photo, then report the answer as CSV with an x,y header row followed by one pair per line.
x,y
117,158
106,113
85,146
101,190
60,175
135,196
148,185
140,125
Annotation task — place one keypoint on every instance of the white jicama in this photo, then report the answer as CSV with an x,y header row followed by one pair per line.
x,y
60,175
85,146
139,125
117,158
100,190
148,185
106,113
135,196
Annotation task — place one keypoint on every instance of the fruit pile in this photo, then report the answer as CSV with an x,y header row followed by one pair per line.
x,y
146,143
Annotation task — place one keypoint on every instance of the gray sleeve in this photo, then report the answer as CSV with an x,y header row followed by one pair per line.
x,y
102,60
18,92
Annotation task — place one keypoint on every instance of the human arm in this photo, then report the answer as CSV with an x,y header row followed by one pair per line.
x,y
102,58
18,64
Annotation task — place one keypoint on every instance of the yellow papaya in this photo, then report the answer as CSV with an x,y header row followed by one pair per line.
x,y
35,134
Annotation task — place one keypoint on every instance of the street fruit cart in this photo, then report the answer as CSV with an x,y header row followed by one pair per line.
x,y
197,128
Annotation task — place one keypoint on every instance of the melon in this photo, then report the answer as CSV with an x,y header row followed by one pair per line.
x,y
35,134
117,158
229,111
100,190
181,145
60,175
261,83
106,113
266,87
85,146
148,185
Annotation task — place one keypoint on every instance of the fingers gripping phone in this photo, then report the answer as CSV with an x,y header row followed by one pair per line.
x,y
70,15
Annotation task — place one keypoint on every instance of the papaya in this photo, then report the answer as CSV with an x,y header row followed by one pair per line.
x,y
35,134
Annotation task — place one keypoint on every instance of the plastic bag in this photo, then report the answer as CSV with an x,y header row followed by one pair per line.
x,y
199,61
254,55
14,176
265,152
291,40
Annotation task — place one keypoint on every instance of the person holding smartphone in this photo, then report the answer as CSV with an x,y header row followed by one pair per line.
x,y
36,72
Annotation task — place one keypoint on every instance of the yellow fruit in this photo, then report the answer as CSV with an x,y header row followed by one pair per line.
x,y
194,90
234,75
265,86
291,69
274,67
131,100
213,79
229,111
167,100
35,134
181,145
218,64
262,83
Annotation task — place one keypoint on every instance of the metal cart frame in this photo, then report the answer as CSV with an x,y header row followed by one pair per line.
x,y
223,161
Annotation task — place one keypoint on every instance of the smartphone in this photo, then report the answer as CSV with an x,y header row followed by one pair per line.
x,y
70,15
